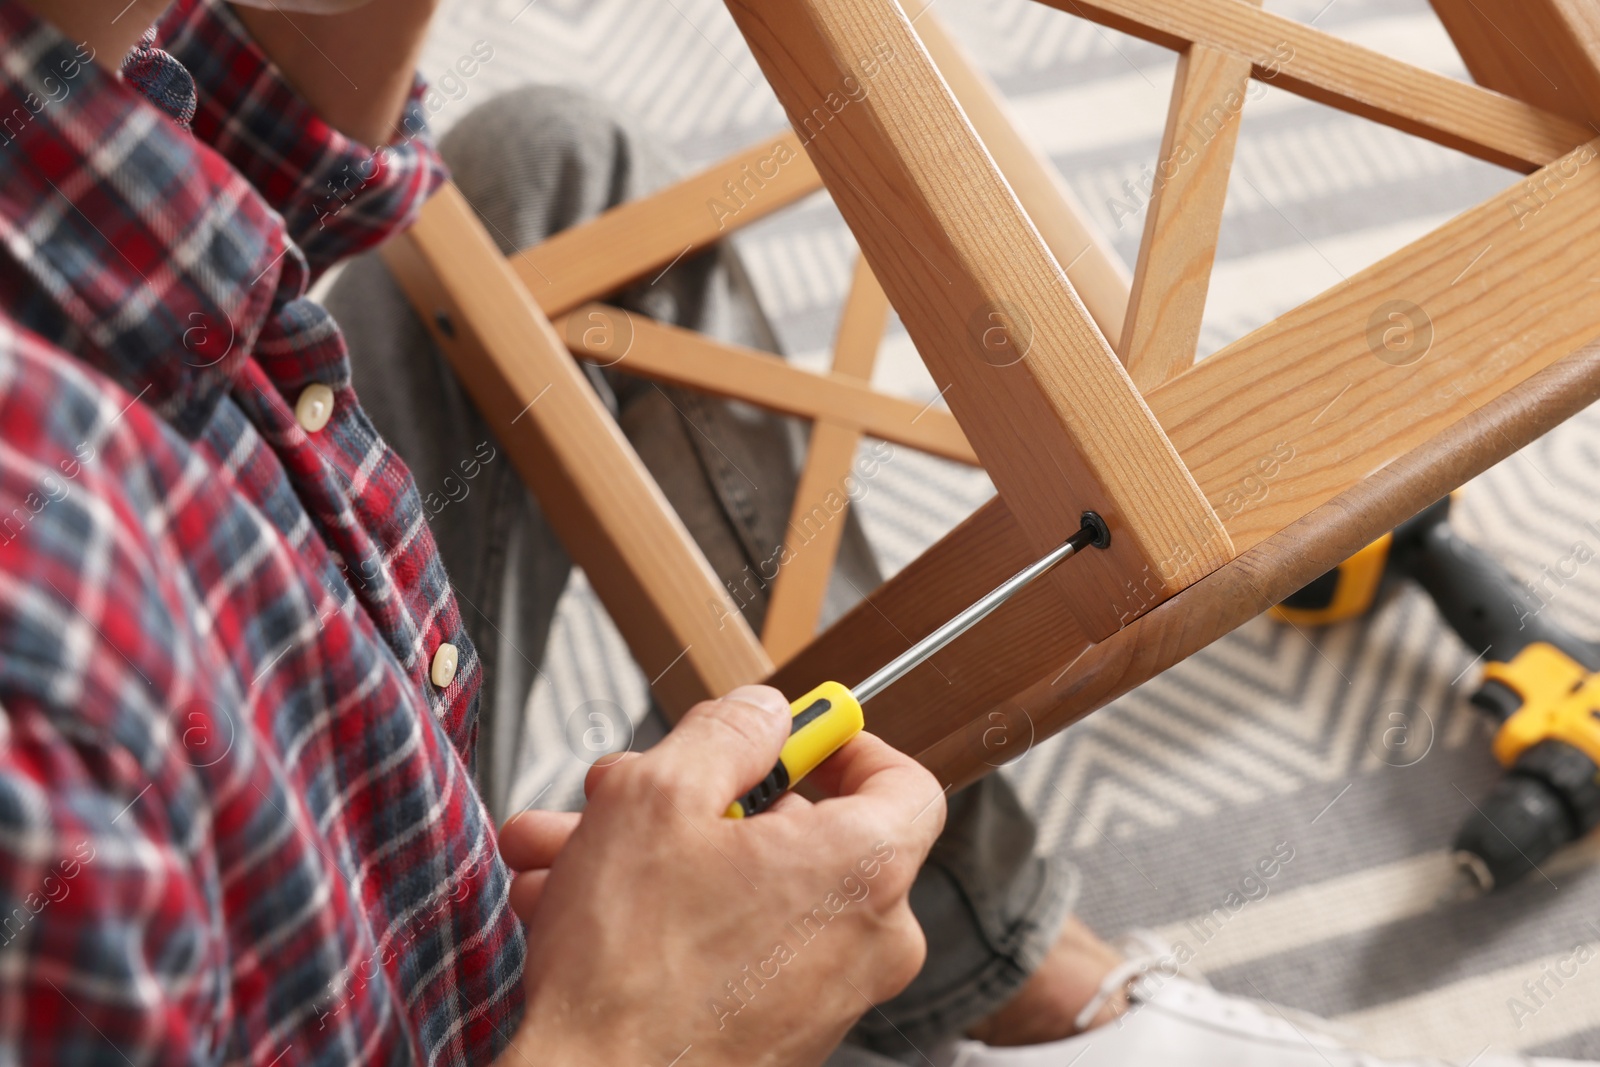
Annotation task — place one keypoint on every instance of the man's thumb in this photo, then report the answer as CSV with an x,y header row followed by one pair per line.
x,y
722,748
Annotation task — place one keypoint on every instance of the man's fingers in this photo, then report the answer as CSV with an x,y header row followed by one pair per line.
x,y
721,748
526,889
789,802
601,768
904,955
869,769
868,765
531,840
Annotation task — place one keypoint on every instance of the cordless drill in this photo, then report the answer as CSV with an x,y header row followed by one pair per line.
x,y
1540,688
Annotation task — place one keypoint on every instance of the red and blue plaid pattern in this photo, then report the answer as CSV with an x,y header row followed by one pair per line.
x,y
237,819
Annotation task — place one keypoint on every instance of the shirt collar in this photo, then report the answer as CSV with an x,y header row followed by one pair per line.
x,y
160,262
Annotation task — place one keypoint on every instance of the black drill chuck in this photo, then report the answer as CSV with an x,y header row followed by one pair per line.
x,y
1549,798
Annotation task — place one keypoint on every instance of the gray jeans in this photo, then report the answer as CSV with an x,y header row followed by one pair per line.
x,y
536,161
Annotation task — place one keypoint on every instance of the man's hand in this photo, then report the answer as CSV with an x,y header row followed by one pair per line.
x,y
655,924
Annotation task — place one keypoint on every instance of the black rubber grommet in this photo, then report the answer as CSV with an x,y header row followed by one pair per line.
x,y
1102,532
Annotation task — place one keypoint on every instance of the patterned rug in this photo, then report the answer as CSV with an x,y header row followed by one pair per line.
x,y
1266,744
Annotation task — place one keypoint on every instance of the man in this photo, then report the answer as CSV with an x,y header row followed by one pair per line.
x,y
239,700
238,821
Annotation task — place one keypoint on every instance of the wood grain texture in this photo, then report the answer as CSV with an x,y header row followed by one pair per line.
x,y
684,357
1374,367
1098,275
1184,217
610,515
1321,67
822,497
1049,409
1259,577
1546,52
641,237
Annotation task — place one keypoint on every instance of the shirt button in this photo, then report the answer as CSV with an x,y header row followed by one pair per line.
x,y
314,408
443,671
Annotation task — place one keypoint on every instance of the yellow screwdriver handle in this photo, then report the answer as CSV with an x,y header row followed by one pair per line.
x,y
823,720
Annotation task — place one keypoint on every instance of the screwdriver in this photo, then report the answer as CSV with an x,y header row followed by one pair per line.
x,y
830,715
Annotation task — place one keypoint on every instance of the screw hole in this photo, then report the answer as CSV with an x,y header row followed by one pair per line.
x,y
1102,532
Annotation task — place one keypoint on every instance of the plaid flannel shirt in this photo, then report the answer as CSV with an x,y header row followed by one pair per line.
x,y
237,818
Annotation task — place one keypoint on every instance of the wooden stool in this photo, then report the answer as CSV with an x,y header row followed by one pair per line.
x,y
1360,407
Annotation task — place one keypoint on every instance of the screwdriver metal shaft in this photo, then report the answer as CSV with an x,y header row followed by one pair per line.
x,y
825,719
1092,532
